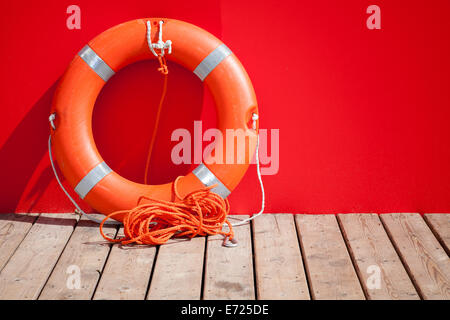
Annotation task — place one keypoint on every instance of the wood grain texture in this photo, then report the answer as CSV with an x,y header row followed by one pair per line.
x,y
330,255
380,270
13,229
439,223
27,271
425,259
229,271
85,255
178,270
126,273
330,270
278,261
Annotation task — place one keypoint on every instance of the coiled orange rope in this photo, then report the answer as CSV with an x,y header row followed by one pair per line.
x,y
201,212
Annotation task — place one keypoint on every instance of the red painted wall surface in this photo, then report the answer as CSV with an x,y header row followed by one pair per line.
x,y
363,114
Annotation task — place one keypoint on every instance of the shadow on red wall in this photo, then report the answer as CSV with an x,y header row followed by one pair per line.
x,y
123,131
22,153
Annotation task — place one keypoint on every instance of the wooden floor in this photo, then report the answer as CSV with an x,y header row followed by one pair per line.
x,y
279,256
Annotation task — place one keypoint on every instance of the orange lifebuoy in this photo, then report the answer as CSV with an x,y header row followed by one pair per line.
x,y
193,48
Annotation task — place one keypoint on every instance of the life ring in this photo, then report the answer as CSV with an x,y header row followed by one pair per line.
x,y
192,47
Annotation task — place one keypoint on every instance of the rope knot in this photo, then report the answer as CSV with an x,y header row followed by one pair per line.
x,y
161,45
163,65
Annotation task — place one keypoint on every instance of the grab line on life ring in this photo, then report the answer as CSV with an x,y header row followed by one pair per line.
x,y
214,64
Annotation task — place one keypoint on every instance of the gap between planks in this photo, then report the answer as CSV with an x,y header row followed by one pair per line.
x,y
34,259
78,270
425,260
380,270
278,261
126,273
178,270
439,223
229,271
329,267
13,229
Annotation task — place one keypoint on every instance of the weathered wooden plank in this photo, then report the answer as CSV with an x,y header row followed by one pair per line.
x,y
84,257
424,258
380,270
178,270
13,229
439,223
126,273
229,271
278,261
328,265
27,271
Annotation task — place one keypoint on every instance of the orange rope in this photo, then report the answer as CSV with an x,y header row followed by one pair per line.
x,y
201,212
163,69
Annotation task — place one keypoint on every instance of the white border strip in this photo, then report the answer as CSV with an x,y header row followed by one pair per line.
x,y
91,179
208,179
96,63
211,61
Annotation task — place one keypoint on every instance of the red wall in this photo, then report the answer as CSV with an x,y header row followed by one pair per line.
x,y
363,114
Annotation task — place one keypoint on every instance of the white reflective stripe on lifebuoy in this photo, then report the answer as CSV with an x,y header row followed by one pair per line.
x,y
211,61
96,63
209,179
91,179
